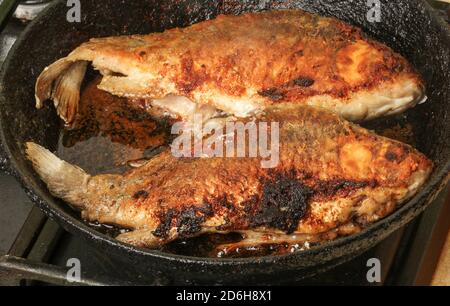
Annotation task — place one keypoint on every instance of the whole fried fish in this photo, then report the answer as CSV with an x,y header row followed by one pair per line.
x,y
333,178
240,65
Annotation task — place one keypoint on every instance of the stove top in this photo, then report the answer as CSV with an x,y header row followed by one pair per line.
x,y
34,250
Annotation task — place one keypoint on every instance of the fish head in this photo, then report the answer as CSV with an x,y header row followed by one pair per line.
x,y
384,163
384,82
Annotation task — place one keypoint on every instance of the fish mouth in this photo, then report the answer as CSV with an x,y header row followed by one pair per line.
x,y
389,99
404,96
416,181
402,104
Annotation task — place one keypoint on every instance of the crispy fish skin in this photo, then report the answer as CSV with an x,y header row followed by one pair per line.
x,y
242,64
333,178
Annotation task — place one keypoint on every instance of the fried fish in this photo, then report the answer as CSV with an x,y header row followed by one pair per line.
x,y
240,65
333,178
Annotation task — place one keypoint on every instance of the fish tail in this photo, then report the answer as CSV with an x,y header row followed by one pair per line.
x,y
64,180
61,82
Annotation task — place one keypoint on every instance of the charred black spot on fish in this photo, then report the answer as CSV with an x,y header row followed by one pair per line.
x,y
304,82
189,221
332,187
391,156
284,203
250,204
272,93
223,201
162,231
299,53
141,194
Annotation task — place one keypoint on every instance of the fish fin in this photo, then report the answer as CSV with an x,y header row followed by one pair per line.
x,y
66,91
138,163
259,240
142,238
44,83
64,180
61,82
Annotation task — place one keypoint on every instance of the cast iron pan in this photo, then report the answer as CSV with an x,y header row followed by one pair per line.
x,y
408,26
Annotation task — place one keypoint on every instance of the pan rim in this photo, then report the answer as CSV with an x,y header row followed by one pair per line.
x,y
420,201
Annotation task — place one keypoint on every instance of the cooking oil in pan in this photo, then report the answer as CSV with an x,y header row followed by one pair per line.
x,y
109,134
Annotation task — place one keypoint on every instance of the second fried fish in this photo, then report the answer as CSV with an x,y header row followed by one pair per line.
x,y
333,178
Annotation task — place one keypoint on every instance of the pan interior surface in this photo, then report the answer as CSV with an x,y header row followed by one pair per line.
x,y
409,27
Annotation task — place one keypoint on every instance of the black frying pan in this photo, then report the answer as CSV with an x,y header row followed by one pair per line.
x,y
408,26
